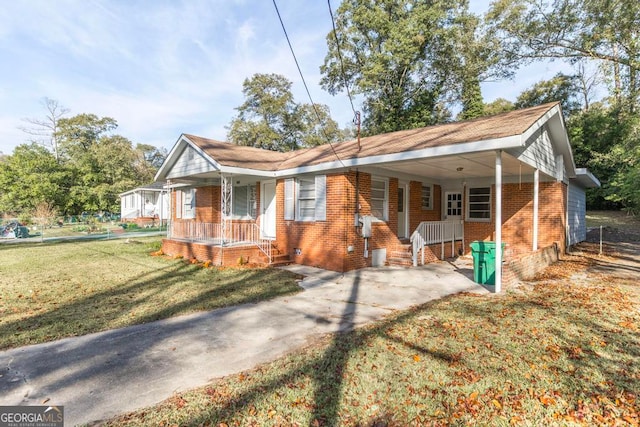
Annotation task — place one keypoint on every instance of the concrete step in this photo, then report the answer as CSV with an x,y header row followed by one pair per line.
x,y
280,260
401,261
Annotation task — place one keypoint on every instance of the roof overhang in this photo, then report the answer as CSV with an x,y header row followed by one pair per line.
x,y
586,179
408,156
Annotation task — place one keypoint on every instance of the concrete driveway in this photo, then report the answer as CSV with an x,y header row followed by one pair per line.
x,y
101,375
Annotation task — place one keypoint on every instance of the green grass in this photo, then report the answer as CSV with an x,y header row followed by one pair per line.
x,y
563,352
50,291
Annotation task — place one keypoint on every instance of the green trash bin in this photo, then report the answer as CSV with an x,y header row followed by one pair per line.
x,y
484,261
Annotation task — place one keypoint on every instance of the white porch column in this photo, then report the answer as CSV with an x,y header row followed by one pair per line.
x,y
536,191
498,266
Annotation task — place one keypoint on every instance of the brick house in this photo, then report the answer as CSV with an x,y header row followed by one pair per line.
x,y
416,195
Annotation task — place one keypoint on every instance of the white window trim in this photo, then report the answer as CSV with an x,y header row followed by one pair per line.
x,y
292,199
299,216
185,213
430,207
468,202
385,206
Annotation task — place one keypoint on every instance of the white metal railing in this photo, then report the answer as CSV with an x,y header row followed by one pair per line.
x,y
234,233
431,232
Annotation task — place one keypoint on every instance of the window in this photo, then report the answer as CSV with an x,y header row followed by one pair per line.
x,y
306,199
426,198
189,203
310,198
244,201
479,204
380,198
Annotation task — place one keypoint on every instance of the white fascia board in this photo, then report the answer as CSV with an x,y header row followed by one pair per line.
x,y
172,157
559,130
126,193
211,160
168,161
585,177
541,121
426,153
246,171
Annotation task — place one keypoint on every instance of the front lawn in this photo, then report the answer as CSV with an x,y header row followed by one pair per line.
x,y
54,290
564,351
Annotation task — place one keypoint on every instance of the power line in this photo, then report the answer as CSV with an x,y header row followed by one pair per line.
x,y
346,84
313,104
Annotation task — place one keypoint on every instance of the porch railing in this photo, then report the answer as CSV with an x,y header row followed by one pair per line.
x,y
432,232
212,233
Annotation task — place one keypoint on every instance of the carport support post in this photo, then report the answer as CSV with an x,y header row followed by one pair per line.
x,y
498,269
536,190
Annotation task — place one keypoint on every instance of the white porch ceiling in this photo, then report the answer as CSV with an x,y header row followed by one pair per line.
x,y
473,165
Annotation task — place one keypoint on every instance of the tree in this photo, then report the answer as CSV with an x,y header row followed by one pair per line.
x,y
601,30
270,118
44,214
29,176
560,88
410,60
46,129
497,106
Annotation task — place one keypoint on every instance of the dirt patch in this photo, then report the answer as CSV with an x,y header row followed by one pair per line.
x,y
612,235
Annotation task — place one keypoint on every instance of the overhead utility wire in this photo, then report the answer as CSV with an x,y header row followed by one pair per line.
x,y
335,35
313,104
356,114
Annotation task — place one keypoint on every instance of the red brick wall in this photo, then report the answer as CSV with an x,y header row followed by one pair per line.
x,y
215,254
320,243
325,243
517,218
416,213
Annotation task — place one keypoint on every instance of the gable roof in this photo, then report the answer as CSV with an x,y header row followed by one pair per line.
x,y
502,131
154,186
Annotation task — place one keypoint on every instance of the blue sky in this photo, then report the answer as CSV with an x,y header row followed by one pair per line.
x,y
164,67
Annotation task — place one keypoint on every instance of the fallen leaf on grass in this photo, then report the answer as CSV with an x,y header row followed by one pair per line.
x,y
497,404
628,325
547,400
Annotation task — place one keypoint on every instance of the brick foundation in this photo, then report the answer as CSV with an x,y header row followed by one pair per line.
x,y
215,254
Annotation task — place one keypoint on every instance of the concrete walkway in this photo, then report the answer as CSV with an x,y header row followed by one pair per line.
x,y
101,375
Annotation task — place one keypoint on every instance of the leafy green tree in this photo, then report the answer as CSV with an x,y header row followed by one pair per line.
x,y
411,61
30,176
270,118
601,30
497,106
560,88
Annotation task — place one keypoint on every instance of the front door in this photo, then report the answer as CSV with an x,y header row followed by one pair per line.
x,y
453,206
402,210
268,210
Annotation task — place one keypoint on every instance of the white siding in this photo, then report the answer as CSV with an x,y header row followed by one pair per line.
x,y
538,152
189,163
577,214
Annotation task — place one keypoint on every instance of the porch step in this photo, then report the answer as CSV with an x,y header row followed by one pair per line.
x,y
401,261
401,256
280,260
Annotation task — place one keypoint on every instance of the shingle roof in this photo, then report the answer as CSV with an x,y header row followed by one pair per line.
x,y
232,155
485,128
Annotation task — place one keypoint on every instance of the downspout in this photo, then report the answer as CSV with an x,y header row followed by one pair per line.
x,y
536,192
498,258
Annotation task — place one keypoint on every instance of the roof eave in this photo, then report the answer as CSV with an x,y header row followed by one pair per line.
x,y
431,152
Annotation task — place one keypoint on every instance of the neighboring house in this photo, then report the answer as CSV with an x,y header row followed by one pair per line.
x,y
145,205
415,195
